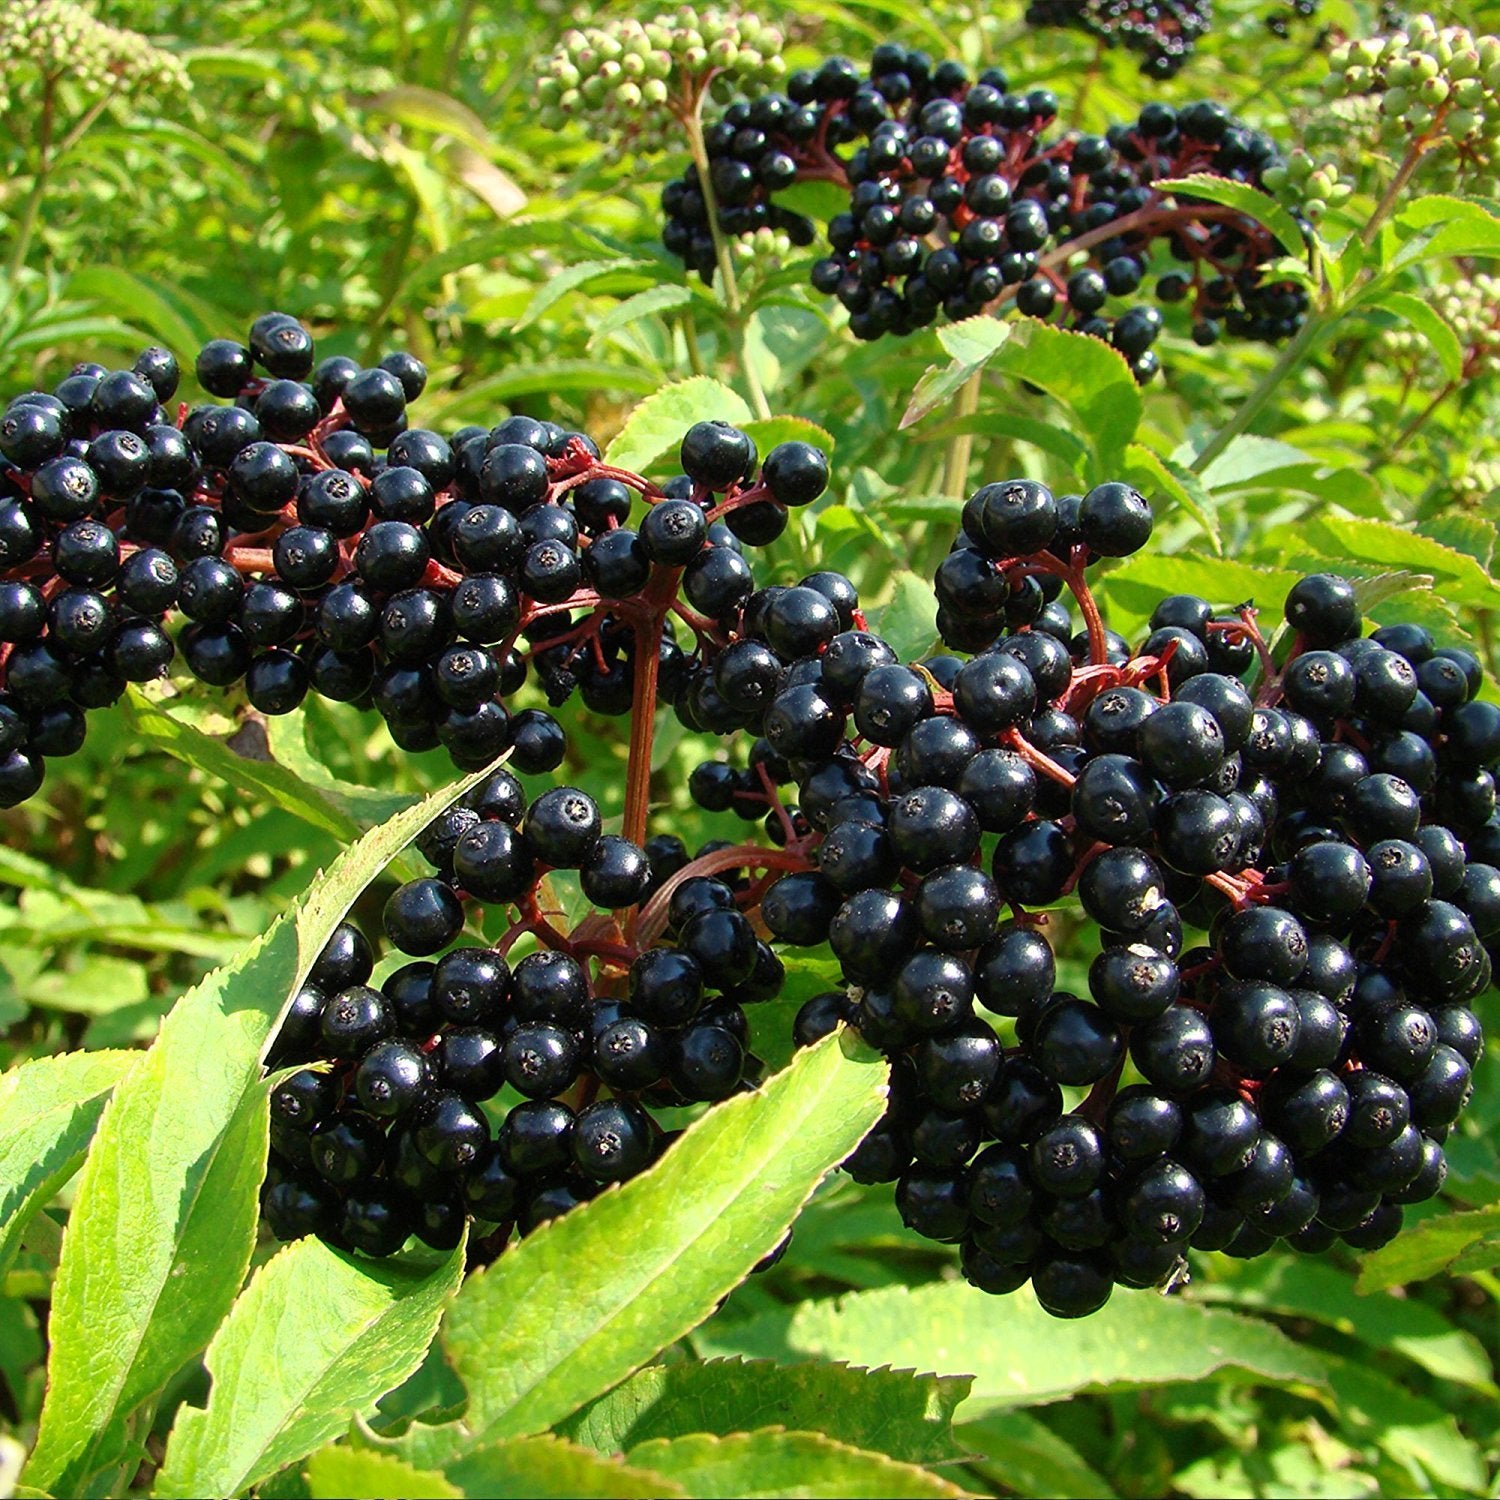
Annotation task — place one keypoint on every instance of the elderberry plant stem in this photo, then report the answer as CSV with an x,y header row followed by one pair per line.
x,y
961,444
734,308
27,228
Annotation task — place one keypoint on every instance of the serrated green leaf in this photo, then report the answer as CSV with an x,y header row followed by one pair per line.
x,y
1425,319
551,1468
622,270
48,1111
1436,225
1018,1354
906,1416
1362,540
316,1339
1152,474
1241,197
658,423
770,431
646,304
164,1220
1250,458
539,1333
154,726
970,344
1089,377
909,621
1428,1248
365,806
341,1473
772,1462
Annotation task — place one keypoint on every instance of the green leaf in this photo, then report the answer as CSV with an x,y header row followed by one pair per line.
x,y
153,726
770,431
1018,1354
657,425
1425,319
1460,578
1418,1433
623,268
1248,459
431,110
1142,582
550,1468
1241,197
909,621
1151,473
970,345
164,1220
646,304
1438,226
546,377
144,303
1297,1287
905,1415
289,742
341,1473
316,1339
1088,376
537,1334
773,1462
48,1111
1446,1242
1024,1455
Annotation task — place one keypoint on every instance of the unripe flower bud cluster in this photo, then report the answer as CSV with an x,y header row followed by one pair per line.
x,y
1471,308
60,40
1439,84
628,81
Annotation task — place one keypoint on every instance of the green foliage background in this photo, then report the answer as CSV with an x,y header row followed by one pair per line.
x,y
376,168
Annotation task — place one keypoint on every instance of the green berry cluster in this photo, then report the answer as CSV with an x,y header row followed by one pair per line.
x,y
62,41
1471,308
1439,86
1306,185
629,82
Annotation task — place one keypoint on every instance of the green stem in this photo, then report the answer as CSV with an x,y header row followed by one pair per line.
x,y
961,444
1419,421
1409,164
690,338
27,229
734,311
1250,408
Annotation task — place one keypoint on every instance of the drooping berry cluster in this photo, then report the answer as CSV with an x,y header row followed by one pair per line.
x,y
401,1129
961,201
1332,832
1162,32
314,541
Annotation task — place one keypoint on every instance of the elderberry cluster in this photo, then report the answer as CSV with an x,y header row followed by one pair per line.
x,y
470,1085
1162,32
314,541
961,201
1291,1075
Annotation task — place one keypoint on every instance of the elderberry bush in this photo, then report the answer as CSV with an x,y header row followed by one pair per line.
x,y
1289,854
963,199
